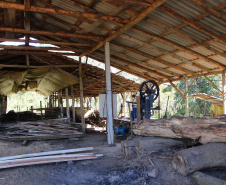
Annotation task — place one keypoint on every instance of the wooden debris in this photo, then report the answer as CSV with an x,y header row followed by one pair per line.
x,y
203,130
202,178
47,157
48,129
206,156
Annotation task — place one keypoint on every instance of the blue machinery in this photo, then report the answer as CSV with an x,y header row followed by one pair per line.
x,y
149,92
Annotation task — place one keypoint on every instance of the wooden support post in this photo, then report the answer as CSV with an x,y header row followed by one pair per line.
x,y
223,91
110,129
81,97
138,109
159,107
67,103
73,104
124,103
61,104
41,109
186,96
58,97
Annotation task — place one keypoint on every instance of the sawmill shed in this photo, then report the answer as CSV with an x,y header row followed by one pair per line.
x,y
48,46
162,40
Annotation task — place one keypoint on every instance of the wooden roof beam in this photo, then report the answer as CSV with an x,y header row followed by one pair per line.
x,y
139,17
130,2
35,53
202,5
61,34
37,67
46,42
173,44
32,48
60,12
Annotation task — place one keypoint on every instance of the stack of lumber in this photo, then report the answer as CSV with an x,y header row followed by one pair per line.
x,y
48,129
203,130
47,157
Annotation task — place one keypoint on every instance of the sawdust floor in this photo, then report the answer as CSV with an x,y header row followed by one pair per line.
x,y
113,168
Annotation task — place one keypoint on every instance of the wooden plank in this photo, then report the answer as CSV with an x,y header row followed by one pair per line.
x,y
47,153
47,159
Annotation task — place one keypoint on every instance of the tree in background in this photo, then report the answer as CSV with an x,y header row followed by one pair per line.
x,y
196,105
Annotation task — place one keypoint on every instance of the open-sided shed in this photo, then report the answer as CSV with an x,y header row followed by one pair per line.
x,y
163,40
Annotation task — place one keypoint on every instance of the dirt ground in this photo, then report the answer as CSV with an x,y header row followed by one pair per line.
x,y
112,168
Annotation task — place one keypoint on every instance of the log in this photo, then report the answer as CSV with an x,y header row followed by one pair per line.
x,y
204,179
205,156
204,130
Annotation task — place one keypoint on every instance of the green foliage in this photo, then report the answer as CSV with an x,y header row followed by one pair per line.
x,y
24,101
196,105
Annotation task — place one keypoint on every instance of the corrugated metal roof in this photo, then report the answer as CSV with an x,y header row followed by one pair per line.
x,y
165,27
184,8
150,28
179,40
196,34
202,50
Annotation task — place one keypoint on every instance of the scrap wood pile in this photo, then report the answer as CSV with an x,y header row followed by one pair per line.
x,y
203,130
48,129
48,157
94,119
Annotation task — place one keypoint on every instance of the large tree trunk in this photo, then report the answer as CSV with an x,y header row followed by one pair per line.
x,y
204,130
203,179
201,157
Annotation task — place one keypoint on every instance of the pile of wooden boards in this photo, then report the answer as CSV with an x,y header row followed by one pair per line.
x,y
48,129
47,157
203,130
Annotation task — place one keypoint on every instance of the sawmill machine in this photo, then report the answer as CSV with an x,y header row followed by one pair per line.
x,y
148,93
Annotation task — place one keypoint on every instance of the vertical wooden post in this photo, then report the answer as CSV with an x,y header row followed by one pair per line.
x,y
138,109
124,103
73,104
61,104
67,103
223,91
159,106
110,130
81,96
186,96
41,109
